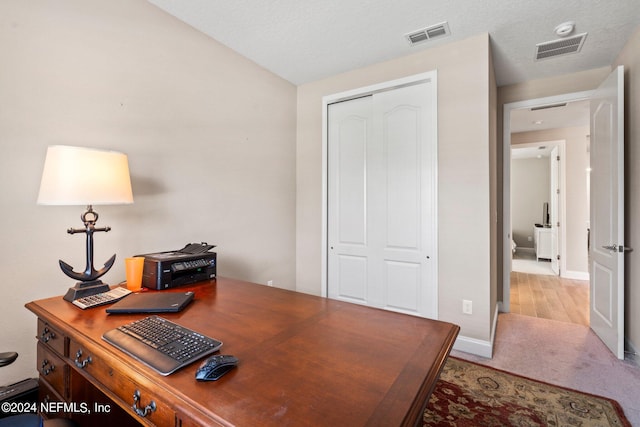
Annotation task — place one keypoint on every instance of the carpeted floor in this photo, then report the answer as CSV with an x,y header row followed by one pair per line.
x,y
564,354
472,395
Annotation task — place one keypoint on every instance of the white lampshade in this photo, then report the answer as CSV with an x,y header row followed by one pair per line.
x,y
84,176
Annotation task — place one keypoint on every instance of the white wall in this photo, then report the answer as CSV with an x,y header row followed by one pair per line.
x,y
464,205
210,138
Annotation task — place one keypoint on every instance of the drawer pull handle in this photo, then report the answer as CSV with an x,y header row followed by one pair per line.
x,y
47,335
142,412
84,363
45,369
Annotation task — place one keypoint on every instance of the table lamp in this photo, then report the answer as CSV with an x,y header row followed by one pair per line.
x,y
85,176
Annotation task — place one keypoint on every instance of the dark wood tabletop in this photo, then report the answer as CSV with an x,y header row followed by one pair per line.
x,y
304,360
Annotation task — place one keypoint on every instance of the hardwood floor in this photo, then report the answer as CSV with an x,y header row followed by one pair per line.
x,y
550,297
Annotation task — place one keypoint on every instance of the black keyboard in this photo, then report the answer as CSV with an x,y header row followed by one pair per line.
x,y
161,344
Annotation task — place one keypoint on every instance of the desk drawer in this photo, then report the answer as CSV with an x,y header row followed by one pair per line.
x,y
47,394
52,369
50,336
138,399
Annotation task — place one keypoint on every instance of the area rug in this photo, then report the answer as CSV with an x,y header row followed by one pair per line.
x,y
472,395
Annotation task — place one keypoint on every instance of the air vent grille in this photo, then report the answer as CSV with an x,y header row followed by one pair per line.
x,y
422,36
428,33
545,107
560,47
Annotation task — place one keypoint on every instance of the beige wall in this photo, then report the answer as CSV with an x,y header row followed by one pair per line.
x,y
494,196
463,174
630,58
576,197
210,138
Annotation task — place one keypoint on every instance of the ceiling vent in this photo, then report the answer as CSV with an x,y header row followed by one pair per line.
x,y
429,33
544,107
560,47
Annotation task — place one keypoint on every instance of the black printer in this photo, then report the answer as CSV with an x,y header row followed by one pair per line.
x,y
191,264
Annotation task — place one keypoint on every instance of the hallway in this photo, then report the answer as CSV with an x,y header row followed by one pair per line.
x,y
536,291
550,297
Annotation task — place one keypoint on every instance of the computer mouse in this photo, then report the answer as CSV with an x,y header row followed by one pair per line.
x,y
215,367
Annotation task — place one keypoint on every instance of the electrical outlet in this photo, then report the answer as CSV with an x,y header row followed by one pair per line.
x,y
269,282
467,306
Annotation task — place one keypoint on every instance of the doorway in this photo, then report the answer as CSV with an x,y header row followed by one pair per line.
x,y
572,230
539,286
538,205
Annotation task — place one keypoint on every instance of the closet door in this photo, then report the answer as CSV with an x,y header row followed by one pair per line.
x,y
382,200
350,133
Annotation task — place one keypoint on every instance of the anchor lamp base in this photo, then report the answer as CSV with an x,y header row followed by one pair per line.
x,y
86,289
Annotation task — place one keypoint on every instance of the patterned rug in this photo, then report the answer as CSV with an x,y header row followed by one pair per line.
x,y
471,395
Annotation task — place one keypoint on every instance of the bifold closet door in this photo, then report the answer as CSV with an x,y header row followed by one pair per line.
x,y
382,200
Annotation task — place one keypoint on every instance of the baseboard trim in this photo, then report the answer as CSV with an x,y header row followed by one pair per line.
x,y
474,346
575,275
478,347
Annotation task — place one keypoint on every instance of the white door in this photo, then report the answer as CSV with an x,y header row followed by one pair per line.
x,y
382,200
607,213
554,209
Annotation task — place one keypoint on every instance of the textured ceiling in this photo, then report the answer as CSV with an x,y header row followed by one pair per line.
x,y
306,40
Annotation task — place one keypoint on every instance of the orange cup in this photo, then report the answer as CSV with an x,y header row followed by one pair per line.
x,y
134,267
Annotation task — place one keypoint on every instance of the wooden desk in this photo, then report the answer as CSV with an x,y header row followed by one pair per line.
x,y
304,360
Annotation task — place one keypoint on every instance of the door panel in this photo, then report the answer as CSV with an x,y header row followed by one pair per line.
x,y
349,132
351,206
603,294
402,286
607,213
352,278
401,144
